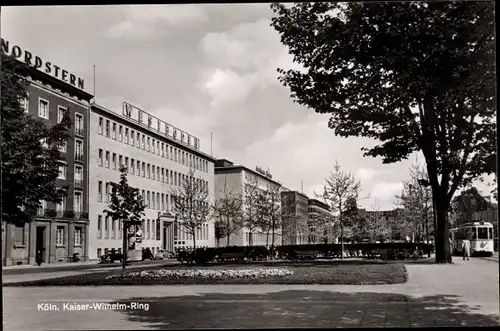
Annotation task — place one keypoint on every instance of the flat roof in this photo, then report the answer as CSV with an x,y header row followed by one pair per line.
x,y
238,168
94,106
318,203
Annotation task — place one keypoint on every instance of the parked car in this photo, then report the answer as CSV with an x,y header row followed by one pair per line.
x,y
147,254
162,255
111,257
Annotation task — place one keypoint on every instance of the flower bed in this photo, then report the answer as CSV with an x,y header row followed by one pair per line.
x,y
204,273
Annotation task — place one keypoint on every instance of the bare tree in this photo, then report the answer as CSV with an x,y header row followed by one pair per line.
x,y
416,201
229,212
341,188
251,207
192,205
269,211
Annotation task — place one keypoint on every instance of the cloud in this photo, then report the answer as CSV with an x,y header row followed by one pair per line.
x,y
364,174
386,192
148,22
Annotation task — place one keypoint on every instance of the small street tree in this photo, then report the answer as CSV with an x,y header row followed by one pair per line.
x,y
269,211
251,193
228,210
415,76
341,191
218,230
126,206
192,205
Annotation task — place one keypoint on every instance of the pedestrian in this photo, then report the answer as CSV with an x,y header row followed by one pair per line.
x,y
466,249
38,257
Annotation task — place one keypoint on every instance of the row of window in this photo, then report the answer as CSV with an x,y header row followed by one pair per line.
x,y
201,233
63,172
143,169
61,206
44,112
152,145
152,200
60,236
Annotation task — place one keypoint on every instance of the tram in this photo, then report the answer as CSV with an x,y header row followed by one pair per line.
x,y
480,235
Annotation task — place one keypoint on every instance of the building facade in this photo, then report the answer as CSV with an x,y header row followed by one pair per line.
x,y
234,178
157,165
294,209
318,210
60,230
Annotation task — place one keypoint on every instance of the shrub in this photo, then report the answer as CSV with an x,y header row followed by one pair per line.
x,y
203,273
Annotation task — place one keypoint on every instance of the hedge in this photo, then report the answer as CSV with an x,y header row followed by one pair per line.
x,y
385,251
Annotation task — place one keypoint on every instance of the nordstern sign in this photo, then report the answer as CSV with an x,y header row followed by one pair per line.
x,y
154,123
37,63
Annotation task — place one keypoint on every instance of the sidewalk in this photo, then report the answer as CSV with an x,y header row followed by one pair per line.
x,y
49,265
461,294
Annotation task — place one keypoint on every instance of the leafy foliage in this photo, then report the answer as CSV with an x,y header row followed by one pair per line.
x,y
228,210
269,210
29,149
251,192
126,204
468,203
414,76
192,205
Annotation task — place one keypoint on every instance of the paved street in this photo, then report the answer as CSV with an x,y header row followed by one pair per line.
x,y
465,293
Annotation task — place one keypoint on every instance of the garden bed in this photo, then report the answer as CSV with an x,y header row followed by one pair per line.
x,y
285,273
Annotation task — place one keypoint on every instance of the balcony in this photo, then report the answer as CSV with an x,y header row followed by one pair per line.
x,y
79,183
79,157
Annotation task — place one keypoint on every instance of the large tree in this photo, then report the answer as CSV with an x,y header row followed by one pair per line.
x,y
29,149
228,210
251,193
269,211
341,191
126,206
192,205
418,77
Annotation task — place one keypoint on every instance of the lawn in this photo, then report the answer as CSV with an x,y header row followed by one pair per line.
x,y
359,273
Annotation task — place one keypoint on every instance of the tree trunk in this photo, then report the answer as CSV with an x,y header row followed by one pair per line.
x,y
272,243
341,240
227,241
124,244
250,238
442,245
194,244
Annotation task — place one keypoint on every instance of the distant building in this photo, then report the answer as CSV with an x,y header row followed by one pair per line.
x,y
235,178
318,209
294,208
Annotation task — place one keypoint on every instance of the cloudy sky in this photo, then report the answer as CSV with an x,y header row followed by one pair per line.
x,y
204,68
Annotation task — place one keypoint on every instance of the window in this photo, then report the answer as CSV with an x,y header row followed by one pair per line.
x,y
63,146
43,108
132,166
175,154
183,161
107,192
153,143
158,173
171,153
42,208
78,150
162,149
482,233
60,236
114,161
61,205
99,162
63,169
107,128
119,230
101,124
132,137
126,164
78,177
153,230
78,237
158,201
148,230
157,147
153,200
125,138
163,175
99,252
152,172
99,191
162,201
138,169
78,202
79,124
25,103
99,226
138,140
107,159
61,111
171,177
106,227
143,144
120,160
120,133
166,202
147,144
148,201
114,131
190,161
143,172
113,229
175,178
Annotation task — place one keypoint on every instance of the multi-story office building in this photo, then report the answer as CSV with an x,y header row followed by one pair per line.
x,y
158,158
234,179
57,230
320,210
294,209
